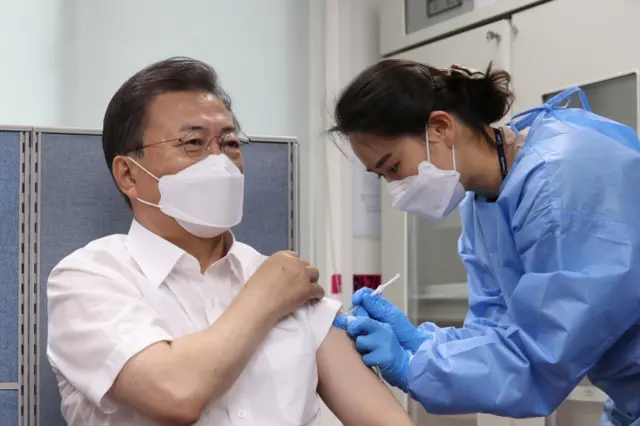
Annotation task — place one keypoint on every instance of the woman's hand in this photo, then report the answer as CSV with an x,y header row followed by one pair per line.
x,y
379,347
381,310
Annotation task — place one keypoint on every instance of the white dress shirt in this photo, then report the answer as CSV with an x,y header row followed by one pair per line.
x,y
120,294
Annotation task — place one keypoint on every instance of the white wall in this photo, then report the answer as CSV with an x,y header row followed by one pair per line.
x,y
31,40
350,46
343,44
258,47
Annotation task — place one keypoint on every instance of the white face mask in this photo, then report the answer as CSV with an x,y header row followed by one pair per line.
x,y
432,194
206,199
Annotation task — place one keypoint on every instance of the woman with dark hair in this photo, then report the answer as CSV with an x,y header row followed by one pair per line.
x,y
550,240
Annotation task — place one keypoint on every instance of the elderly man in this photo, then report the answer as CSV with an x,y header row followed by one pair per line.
x,y
177,322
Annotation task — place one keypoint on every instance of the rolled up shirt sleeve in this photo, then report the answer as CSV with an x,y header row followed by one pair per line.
x,y
97,321
320,316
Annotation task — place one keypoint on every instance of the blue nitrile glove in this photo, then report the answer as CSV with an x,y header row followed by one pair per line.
x,y
380,309
359,311
379,347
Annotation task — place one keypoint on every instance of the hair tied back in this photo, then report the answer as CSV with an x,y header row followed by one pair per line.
x,y
470,73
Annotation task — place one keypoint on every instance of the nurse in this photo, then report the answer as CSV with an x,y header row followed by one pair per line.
x,y
550,210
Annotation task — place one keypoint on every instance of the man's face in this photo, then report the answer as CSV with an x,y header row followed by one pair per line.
x,y
187,120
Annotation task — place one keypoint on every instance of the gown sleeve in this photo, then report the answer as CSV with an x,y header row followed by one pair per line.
x,y
577,237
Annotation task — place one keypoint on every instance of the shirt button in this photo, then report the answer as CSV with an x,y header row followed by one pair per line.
x,y
242,414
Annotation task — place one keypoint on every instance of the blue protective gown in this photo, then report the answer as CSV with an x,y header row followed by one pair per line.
x,y
554,278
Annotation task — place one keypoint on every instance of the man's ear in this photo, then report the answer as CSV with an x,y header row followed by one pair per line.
x,y
125,176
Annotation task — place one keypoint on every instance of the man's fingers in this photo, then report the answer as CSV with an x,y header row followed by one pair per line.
x,y
316,293
313,273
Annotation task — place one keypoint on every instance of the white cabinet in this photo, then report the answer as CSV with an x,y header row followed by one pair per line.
x,y
474,48
589,44
547,48
399,31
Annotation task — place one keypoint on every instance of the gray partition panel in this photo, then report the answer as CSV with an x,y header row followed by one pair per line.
x,y
10,171
267,219
9,407
11,282
78,202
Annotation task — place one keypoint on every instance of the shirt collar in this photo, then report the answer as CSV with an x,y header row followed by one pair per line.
x,y
157,257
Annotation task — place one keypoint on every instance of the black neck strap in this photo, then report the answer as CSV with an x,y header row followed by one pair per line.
x,y
502,158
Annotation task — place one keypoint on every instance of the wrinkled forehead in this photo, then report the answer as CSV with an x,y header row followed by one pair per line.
x,y
179,112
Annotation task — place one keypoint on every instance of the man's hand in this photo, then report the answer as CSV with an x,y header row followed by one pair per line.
x,y
284,283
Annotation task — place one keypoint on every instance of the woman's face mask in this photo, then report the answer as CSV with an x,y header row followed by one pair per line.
x,y
432,194
206,199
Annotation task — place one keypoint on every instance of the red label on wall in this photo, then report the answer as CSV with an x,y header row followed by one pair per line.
x,y
371,281
336,284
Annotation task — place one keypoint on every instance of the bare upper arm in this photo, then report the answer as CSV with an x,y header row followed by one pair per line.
x,y
140,385
351,390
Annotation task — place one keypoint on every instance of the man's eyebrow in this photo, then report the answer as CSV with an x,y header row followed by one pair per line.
x,y
381,162
191,127
199,128
229,128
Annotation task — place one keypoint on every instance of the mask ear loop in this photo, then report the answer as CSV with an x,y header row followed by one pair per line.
x,y
145,170
150,174
453,151
148,203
